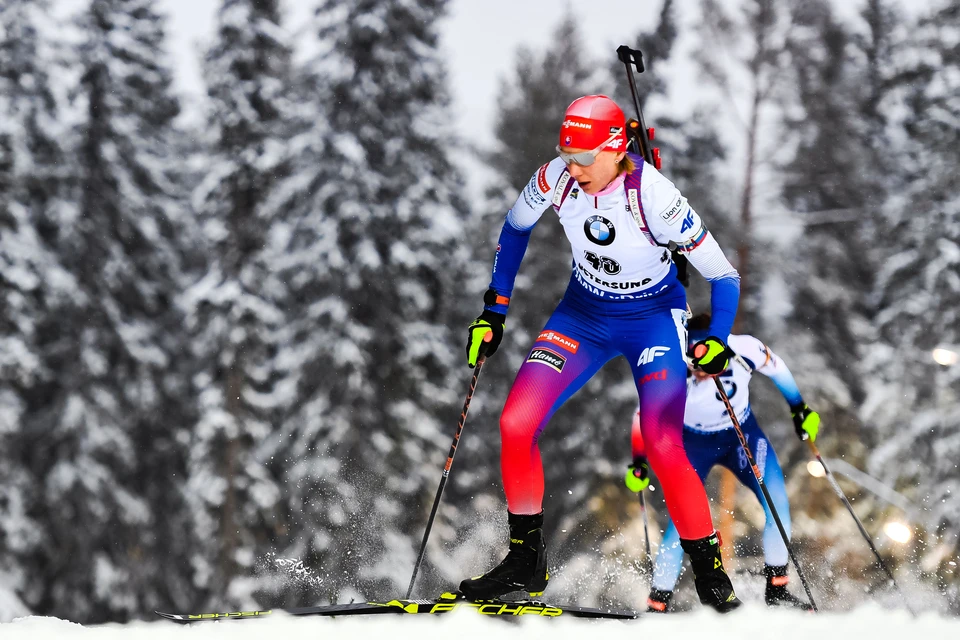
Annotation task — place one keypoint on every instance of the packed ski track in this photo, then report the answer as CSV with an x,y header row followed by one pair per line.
x,y
869,621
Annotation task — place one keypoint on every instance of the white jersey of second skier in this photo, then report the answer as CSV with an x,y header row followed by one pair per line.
x,y
705,411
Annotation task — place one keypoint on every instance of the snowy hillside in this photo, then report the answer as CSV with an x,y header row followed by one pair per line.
x,y
868,622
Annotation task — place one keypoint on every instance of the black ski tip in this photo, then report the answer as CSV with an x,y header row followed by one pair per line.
x,y
222,615
176,617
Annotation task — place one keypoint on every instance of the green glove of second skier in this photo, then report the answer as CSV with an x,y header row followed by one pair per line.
x,y
638,475
806,422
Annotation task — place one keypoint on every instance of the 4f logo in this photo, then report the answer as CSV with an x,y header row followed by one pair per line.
x,y
687,222
650,353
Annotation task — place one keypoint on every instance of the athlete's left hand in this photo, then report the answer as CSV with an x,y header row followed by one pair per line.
x,y
806,422
638,475
711,355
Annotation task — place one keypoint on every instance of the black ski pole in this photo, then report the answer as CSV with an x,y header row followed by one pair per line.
x,y
763,488
446,472
646,534
863,531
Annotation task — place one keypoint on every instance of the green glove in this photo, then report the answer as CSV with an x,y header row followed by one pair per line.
x,y
806,422
638,475
489,323
711,355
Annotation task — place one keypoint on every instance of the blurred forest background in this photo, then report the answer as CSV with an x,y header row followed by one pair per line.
x,y
231,353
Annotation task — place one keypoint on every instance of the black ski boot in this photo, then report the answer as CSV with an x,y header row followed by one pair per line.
x,y
658,601
524,568
713,584
776,594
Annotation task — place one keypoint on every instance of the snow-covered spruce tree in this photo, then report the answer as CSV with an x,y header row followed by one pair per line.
x,y
374,269
29,155
912,401
103,419
840,170
234,313
834,186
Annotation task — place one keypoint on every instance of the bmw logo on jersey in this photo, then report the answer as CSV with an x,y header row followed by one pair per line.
x,y
599,230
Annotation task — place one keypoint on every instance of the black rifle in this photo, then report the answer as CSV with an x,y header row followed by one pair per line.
x,y
639,135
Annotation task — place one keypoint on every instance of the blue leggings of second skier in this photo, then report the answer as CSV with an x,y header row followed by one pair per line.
x,y
705,450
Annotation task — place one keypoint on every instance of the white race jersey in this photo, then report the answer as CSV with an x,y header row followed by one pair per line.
x,y
615,252
705,411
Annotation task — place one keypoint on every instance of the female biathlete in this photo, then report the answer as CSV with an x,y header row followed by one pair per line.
x,y
619,215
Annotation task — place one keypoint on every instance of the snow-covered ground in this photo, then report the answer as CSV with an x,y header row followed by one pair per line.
x,y
753,621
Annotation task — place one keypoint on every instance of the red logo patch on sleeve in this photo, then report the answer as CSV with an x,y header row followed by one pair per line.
x,y
560,340
542,183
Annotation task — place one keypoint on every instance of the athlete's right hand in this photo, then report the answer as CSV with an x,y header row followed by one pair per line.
x,y
638,475
489,323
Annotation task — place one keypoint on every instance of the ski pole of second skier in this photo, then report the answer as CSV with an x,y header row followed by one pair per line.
x,y
763,488
866,536
646,535
446,472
